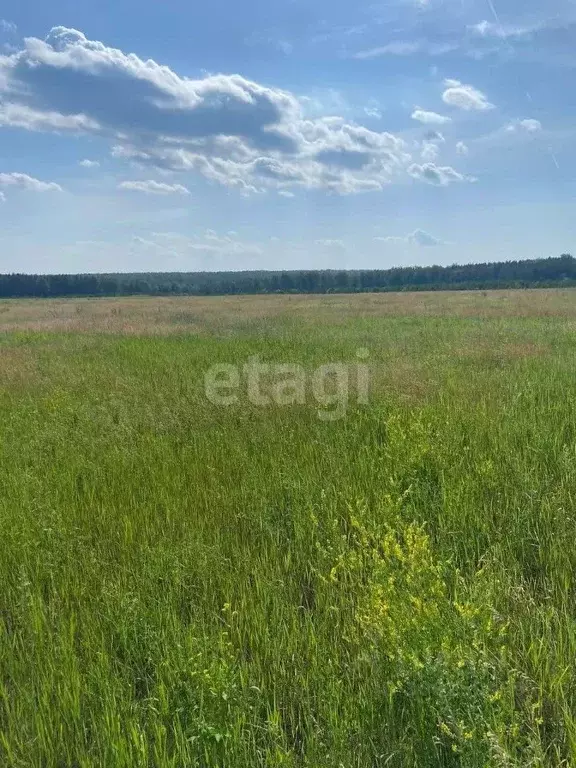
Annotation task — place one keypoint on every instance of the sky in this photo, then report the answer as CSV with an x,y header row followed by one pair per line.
x,y
294,134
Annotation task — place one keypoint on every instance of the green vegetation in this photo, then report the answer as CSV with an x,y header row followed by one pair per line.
x,y
538,273
192,585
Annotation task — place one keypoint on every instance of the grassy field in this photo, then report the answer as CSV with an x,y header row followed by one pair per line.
x,y
187,584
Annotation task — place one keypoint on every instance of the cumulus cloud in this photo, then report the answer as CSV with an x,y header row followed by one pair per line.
x,y
430,147
429,151
73,76
230,129
440,176
2,197
418,238
532,126
462,148
23,181
430,118
423,239
524,126
22,116
151,187
465,97
89,163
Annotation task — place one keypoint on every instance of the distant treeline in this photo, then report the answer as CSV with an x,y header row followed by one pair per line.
x,y
539,273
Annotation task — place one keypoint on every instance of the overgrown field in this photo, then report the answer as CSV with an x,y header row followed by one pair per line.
x,y
187,584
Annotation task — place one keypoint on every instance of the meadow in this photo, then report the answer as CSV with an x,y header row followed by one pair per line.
x,y
187,584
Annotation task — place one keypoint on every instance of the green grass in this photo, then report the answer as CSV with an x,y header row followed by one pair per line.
x,y
188,585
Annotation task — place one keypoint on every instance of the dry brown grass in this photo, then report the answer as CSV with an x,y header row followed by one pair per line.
x,y
18,367
163,316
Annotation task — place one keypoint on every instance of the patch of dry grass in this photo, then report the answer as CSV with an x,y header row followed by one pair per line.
x,y
18,368
163,316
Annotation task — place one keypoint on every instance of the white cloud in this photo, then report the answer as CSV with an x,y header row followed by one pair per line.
x,y
151,187
407,48
424,239
490,29
398,48
332,244
429,151
524,126
175,251
439,176
210,243
286,47
233,131
2,197
532,126
373,110
487,29
418,238
22,116
430,147
89,163
334,155
465,97
8,27
23,181
430,118
532,35
462,149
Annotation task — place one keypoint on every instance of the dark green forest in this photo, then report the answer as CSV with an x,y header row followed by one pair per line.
x,y
538,273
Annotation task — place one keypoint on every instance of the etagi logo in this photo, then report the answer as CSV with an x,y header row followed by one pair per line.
x,y
331,388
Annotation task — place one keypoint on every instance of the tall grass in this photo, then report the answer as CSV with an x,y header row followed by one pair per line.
x,y
187,585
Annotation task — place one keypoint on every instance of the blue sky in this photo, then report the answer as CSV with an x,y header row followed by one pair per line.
x,y
139,136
